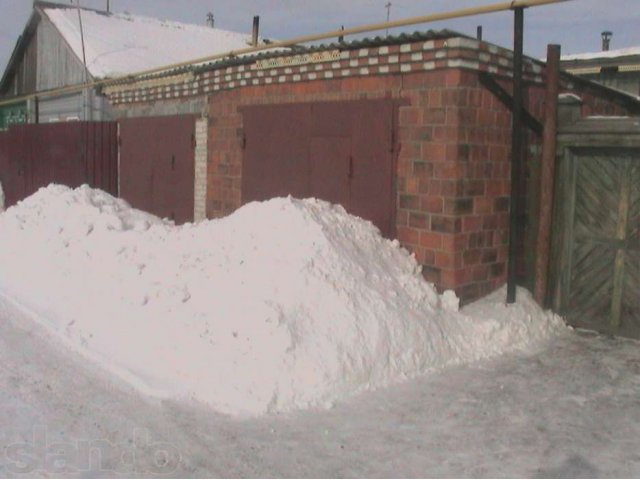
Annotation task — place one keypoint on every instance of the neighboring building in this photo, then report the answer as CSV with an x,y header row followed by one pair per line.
x,y
619,69
50,54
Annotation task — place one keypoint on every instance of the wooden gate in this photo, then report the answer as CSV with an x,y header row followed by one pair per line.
x,y
596,273
157,156
342,152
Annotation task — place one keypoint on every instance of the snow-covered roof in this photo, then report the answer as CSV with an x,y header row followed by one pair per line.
x,y
620,52
121,44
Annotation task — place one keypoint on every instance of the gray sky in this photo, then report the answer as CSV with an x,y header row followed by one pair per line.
x,y
576,25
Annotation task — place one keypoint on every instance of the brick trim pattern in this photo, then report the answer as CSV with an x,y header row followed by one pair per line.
x,y
456,52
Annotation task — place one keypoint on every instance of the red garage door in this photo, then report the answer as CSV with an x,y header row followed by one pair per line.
x,y
73,153
342,152
157,157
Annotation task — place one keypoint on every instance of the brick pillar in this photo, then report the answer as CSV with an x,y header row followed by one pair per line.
x,y
453,181
200,185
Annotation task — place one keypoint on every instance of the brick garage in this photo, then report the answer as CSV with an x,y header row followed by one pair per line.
x,y
452,178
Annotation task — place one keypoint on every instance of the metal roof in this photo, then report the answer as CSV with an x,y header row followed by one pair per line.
x,y
367,42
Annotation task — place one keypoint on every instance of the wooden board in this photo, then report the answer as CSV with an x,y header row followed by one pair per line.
x,y
597,243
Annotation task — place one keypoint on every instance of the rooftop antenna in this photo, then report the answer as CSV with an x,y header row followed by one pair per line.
x,y
388,7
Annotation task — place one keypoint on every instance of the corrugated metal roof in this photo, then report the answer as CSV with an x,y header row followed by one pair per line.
x,y
368,42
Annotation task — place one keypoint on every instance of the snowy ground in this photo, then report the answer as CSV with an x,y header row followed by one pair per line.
x,y
572,409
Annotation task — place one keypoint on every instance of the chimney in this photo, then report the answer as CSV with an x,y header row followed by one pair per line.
x,y
606,40
255,31
479,32
210,20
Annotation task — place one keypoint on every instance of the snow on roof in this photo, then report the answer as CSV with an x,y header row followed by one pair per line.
x,y
121,44
620,52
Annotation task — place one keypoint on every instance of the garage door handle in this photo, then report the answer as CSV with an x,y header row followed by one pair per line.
x,y
350,167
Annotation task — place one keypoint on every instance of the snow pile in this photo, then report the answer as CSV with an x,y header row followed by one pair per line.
x,y
284,304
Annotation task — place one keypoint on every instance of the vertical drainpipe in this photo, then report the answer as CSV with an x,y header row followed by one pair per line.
x,y
547,173
516,154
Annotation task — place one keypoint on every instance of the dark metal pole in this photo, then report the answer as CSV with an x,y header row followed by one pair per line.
x,y
516,154
479,32
255,32
547,172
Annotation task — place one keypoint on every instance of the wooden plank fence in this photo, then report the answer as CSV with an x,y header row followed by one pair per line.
x,y
596,234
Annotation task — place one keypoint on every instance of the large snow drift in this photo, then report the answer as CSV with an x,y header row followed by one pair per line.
x,y
284,304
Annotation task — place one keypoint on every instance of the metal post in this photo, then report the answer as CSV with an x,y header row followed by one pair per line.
x,y
388,7
516,154
255,31
479,32
547,172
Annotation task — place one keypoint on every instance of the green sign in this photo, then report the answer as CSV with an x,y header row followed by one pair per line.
x,y
12,114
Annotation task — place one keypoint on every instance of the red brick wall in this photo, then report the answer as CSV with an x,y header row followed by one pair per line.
x,y
474,181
